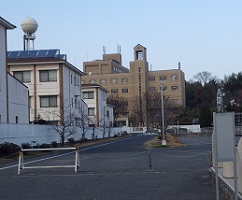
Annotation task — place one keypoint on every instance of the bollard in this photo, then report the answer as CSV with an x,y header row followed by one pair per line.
x,y
149,155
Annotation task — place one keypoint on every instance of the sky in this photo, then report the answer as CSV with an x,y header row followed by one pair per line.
x,y
203,35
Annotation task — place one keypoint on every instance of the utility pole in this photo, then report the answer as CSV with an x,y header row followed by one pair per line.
x,y
163,142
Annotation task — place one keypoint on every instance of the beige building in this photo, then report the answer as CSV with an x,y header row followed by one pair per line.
x,y
134,82
54,84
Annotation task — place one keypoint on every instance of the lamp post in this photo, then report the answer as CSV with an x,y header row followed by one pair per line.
x,y
163,142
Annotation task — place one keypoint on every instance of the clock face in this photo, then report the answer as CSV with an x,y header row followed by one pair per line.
x,y
139,55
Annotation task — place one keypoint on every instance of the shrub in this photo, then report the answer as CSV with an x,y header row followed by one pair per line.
x,y
54,144
26,145
8,149
83,140
124,133
44,145
71,140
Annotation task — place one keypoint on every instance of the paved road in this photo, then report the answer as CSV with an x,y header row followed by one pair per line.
x,y
118,171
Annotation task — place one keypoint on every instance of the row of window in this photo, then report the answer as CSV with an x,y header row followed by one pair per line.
x,y
125,80
91,112
173,88
163,78
104,81
51,101
44,76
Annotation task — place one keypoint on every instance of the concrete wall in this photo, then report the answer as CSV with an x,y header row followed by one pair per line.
x,y
3,89
33,134
18,101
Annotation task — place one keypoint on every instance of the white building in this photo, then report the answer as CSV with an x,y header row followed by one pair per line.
x,y
54,84
100,113
13,94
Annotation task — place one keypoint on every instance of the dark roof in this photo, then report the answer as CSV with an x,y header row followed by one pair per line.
x,y
43,53
37,60
6,24
94,85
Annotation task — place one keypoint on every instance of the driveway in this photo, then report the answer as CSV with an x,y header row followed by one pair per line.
x,y
119,170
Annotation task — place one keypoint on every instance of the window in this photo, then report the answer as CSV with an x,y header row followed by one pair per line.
x,y
16,119
76,105
71,79
114,91
91,111
88,95
23,76
47,75
107,113
125,90
174,77
124,80
92,81
48,101
113,80
139,55
102,81
162,78
164,88
76,81
152,89
174,88
151,78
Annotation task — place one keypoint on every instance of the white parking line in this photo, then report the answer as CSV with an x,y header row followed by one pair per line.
x,y
84,149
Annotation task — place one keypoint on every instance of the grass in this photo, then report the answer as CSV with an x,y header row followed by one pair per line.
x,y
171,140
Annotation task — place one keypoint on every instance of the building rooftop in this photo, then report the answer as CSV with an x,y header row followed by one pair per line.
x,y
46,53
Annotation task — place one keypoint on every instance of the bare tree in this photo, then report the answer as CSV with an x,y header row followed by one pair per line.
x,y
93,125
66,127
137,111
83,120
62,121
205,77
152,110
120,106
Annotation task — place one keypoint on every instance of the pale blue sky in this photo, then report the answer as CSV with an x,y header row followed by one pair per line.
x,y
204,35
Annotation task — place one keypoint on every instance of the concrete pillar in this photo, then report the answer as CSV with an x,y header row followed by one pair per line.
x,y
220,164
228,169
239,165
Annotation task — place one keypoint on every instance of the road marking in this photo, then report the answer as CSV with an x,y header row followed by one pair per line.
x,y
51,157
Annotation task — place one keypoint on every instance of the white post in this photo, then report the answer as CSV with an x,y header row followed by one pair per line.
x,y
163,142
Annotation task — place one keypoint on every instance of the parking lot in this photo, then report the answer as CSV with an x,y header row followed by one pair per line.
x,y
116,170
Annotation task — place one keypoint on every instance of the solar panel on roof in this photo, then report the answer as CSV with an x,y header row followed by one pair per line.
x,y
49,53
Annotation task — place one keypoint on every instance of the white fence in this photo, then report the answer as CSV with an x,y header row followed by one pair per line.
x,y
44,134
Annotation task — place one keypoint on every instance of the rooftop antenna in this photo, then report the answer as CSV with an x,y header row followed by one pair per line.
x,y
118,48
104,49
179,65
29,26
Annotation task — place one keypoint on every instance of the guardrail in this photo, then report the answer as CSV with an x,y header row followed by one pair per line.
x,y
21,166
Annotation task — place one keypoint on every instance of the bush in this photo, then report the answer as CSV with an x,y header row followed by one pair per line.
x,y
83,140
71,140
44,145
124,133
54,144
26,145
8,149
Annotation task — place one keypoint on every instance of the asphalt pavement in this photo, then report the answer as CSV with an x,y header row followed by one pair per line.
x,y
120,170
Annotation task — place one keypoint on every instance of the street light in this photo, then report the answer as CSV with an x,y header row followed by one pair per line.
x,y
163,142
